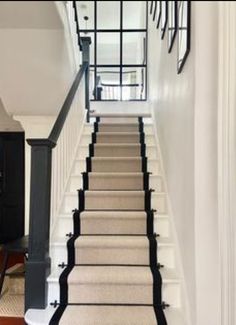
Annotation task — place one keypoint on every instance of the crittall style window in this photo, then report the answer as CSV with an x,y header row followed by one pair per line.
x,y
118,30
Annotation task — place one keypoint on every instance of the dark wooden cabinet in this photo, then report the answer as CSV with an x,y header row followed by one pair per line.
x,y
12,187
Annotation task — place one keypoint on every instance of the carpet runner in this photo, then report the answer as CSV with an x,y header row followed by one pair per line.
x,y
112,275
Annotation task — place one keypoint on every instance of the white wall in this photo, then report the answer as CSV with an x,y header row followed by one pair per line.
x,y
185,111
36,60
7,123
38,66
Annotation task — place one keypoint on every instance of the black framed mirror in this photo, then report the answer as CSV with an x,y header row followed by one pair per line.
x,y
154,10
184,33
164,17
151,7
158,13
172,23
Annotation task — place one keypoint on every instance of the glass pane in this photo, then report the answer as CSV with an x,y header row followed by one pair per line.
x,y
108,48
109,81
91,83
134,14
91,45
133,83
134,48
108,14
85,9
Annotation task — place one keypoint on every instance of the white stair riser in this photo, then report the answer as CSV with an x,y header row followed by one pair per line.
x,y
155,182
65,226
87,139
171,293
153,166
162,226
158,202
165,253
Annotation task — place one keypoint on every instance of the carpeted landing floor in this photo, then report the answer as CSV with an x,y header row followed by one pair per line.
x,y
112,275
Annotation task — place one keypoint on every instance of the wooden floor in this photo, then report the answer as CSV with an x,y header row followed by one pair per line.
x,y
11,321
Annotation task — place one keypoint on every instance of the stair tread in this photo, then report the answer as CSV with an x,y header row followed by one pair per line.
x,y
107,315
168,275
108,144
110,241
111,275
174,316
118,158
113,214
62,241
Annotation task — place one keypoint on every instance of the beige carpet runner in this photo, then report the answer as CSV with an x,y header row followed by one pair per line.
x,y
112,275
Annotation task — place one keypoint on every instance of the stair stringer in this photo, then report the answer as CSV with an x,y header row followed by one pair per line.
x,y
178,260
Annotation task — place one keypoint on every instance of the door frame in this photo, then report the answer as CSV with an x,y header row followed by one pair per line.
x,y
227,160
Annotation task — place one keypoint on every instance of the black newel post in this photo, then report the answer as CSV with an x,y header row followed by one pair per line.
x,y
38,264
85,42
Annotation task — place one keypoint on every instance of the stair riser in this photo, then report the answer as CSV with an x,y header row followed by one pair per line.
x,y
138,256
158,202
111,226
151,153
111,151
117,294
171,293
166,255
148,129
119,119
152,167
116,183
87,139
113,202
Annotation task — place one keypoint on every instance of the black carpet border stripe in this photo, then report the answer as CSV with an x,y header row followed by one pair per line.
x,y
91,150
95,126
81,203
85,181
141,128
142,137
143,149
147,202
144,164
160,316
88,164
76,222
94,137
65,273
57,315
150,222
146,181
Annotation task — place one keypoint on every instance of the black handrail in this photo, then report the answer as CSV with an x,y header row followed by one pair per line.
x,y
58,125
39,263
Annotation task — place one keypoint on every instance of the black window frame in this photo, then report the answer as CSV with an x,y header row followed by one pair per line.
x,y
121,65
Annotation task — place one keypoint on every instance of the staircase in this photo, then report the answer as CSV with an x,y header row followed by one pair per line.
x,y
107,255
